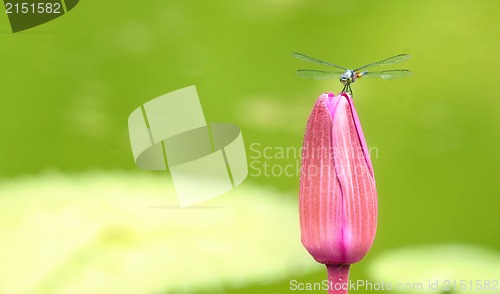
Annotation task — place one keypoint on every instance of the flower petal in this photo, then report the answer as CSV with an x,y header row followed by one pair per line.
x,y
320,194
361,135
359,195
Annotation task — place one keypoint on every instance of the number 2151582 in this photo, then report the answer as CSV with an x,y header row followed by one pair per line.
x,y
33,8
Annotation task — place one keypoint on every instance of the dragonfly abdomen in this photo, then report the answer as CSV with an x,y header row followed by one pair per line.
x,y
360,74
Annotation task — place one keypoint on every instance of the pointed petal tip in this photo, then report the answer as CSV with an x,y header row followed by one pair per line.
x,y
326,97
345,94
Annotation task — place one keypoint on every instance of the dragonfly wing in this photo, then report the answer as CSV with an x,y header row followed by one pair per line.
x,y
388,74
314,60
318,74
391,60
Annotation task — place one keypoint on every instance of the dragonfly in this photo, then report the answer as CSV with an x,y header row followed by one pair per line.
x,y
348,76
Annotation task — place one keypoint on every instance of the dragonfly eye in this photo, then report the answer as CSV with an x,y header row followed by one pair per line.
x,y
346,78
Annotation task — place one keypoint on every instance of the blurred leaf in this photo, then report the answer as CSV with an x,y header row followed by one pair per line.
x,y
123,233
446,264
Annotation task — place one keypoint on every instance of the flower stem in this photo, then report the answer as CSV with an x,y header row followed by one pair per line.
x,y
338,278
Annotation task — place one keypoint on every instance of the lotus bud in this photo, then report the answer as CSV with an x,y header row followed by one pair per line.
x,y
338,197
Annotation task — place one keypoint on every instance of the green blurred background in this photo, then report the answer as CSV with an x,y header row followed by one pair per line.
x,y
68,86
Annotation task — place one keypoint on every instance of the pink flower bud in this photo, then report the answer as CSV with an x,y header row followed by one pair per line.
x,y
338,197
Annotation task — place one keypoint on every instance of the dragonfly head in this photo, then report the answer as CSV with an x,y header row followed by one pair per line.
x,y
348,77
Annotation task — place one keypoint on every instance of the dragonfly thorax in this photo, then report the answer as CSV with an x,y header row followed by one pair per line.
x,y
348,77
